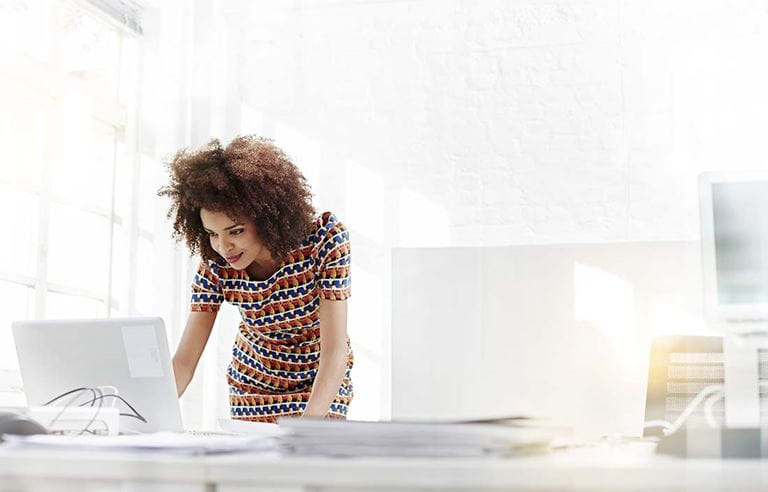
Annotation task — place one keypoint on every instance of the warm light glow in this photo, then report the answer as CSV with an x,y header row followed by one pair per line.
x,y
668,319
606,301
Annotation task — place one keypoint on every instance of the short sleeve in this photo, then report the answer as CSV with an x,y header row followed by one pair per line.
x,y
333,255
206,289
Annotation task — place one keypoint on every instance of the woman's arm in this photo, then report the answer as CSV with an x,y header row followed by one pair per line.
x,y
193,340
333,357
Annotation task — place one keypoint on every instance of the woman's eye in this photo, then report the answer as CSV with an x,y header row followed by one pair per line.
x,y
237,231
211,234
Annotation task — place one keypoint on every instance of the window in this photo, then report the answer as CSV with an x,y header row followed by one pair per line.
x,y
72,176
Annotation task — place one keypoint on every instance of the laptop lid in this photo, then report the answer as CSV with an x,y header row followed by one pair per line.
x,y
130,354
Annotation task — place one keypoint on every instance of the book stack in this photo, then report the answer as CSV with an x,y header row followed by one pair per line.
x,y
338,438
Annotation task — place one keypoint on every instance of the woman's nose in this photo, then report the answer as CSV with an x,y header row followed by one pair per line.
x,y
224,245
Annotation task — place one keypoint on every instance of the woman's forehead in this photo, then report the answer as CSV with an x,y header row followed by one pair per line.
x,y
219,218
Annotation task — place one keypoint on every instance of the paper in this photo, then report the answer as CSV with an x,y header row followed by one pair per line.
x,y
349,438
246,428
160,442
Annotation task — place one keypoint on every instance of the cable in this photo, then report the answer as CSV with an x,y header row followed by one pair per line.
x,y
708,408
69,393
95,414
97,396
670,428
69,403
717,393
135,414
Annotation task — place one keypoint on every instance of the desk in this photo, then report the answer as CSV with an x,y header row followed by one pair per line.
x,y
44,471
603,467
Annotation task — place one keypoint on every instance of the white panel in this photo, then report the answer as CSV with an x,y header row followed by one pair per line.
x,y
518,330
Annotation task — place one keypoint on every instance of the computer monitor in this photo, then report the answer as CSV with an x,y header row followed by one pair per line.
x,y
734,242
130,354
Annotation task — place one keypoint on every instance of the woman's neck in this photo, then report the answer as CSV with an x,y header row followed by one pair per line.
x,y
262,269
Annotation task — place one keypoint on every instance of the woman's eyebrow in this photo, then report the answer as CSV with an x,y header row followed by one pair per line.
x,y
226,228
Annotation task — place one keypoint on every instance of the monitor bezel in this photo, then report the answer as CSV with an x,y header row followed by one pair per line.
x,y
735,318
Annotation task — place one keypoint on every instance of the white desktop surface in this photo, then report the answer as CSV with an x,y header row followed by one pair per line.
x,y
53,470
599,467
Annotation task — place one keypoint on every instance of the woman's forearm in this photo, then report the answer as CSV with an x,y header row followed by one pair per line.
x,y
329,377
191,345
183,375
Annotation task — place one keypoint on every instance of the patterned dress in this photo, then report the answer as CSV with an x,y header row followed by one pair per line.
x,y
276,354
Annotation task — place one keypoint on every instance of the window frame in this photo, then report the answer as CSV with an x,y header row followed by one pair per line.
x,y
50,83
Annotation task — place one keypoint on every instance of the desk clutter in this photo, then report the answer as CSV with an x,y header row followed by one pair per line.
x,y
308,437
398,439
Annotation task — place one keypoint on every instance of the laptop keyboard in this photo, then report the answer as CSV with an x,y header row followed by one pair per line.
x,y
199,432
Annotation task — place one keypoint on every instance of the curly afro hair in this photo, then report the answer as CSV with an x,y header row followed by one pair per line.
x,y
250,178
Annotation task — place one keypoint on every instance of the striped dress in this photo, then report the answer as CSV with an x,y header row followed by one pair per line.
x,y
276,353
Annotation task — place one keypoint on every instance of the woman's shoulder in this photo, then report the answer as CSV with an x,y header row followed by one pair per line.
x,y
325,225
327,220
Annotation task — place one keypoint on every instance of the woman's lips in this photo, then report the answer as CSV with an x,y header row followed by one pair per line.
x,y
233,259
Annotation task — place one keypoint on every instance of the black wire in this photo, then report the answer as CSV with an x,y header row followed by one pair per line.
x,y
71,401
70,392
135,414
137,417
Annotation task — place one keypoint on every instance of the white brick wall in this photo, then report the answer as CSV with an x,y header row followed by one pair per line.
x,y
500,122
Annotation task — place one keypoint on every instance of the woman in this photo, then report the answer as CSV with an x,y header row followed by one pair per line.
x,y
246,209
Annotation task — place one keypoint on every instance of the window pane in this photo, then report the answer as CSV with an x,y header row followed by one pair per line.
x,y
120,263
22,130
18,251
123,181
65,306
78,249
17,305
88,47
24,29
83,154
144,277
149,203
129,73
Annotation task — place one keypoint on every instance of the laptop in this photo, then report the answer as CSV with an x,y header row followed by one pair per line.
x,y
129,354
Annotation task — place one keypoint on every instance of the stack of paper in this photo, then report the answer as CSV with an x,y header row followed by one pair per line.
x,y
349,438
161,442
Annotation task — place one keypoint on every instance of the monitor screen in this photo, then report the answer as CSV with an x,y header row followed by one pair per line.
x,y
740,223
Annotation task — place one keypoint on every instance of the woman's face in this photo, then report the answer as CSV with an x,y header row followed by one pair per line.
x,y
235,240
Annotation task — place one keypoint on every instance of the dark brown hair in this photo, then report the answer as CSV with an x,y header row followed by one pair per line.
x,y
249,179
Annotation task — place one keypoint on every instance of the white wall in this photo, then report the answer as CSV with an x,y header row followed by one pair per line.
x,y
449,122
